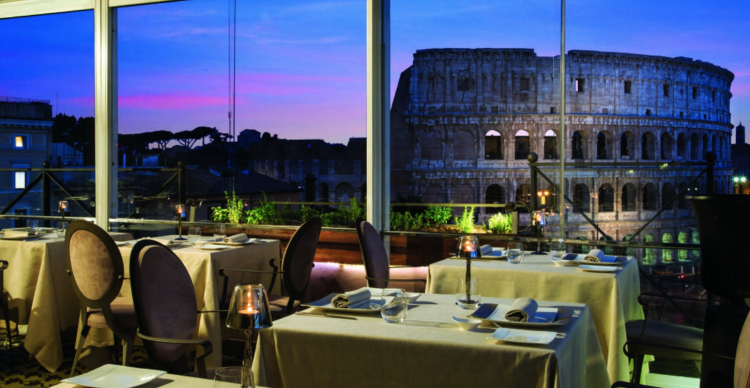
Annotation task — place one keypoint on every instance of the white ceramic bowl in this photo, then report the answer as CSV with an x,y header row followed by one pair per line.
x,y
467,324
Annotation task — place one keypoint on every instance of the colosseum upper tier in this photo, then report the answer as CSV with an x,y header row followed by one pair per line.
x,y
463,122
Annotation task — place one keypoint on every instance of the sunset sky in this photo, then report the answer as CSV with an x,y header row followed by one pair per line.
x,y
300,66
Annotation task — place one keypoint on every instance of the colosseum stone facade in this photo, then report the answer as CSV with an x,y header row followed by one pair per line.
x,y
464,120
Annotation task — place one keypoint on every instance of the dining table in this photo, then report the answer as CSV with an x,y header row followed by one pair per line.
x,y
166,380
203,261
610,292
336,347
41,291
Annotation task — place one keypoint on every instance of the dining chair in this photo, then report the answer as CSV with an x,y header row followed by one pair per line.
x,y
661,339
96,270
375,257
741,361
4,302
166,308
296,269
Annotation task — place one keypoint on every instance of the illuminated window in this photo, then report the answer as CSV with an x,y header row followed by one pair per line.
x,y
20,178
21,142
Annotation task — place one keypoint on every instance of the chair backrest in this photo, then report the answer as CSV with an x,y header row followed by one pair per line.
x,y
742,359
373,254
3,266
94,263
164,300
298,260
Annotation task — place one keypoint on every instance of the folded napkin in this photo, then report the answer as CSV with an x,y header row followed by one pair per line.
x,y
19,233
594,256
486,250
237,238
164,241
521,310
351,299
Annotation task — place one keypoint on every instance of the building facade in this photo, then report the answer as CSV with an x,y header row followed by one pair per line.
x,y
324,172
463,122
25,138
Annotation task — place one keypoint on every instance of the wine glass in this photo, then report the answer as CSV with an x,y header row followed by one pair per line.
x,y
515,252
557,248
220,231
194,234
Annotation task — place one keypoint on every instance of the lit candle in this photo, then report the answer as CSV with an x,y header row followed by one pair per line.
x,y
248,311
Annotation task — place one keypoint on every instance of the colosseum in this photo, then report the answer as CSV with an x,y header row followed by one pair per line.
x,y
463,122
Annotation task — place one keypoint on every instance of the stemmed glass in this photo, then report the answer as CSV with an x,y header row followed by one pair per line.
x,y
220,231
515,252
557,248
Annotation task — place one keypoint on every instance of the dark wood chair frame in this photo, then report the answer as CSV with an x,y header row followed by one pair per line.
x,y
102,304
369,261
181,366
314,225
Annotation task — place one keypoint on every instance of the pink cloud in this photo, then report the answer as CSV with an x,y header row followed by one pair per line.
x,y
170,101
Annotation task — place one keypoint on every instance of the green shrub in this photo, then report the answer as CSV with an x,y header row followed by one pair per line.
x,y
306,213
234,211
500,223
465,223
437,215
264,214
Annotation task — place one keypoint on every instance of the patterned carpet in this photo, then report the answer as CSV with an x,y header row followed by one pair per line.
x,y
25,372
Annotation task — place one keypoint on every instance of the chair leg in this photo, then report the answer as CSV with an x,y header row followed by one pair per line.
x,y
127,348
6,315
80,339
637,368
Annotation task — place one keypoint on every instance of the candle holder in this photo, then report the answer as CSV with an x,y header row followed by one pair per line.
x,y
468,248
248,311
538,220
64,209
180,210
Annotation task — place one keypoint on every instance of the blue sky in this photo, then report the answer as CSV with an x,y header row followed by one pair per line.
x,y
300,65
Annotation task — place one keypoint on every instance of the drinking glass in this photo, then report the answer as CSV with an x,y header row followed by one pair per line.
x,y
60,230
220,231
231,377
470,298
34,225
515,252
194,234
396,309
557,248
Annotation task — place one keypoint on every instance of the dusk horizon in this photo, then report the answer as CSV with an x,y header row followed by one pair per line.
x,y
300,68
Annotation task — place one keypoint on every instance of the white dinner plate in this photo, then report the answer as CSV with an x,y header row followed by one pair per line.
x,y
115,376
246,242
36,236
526,337
495,314
325,305
598,268
213,247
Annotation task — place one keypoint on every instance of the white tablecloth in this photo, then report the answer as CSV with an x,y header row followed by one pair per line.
x,y
612,298
164,381
427,350
42,292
